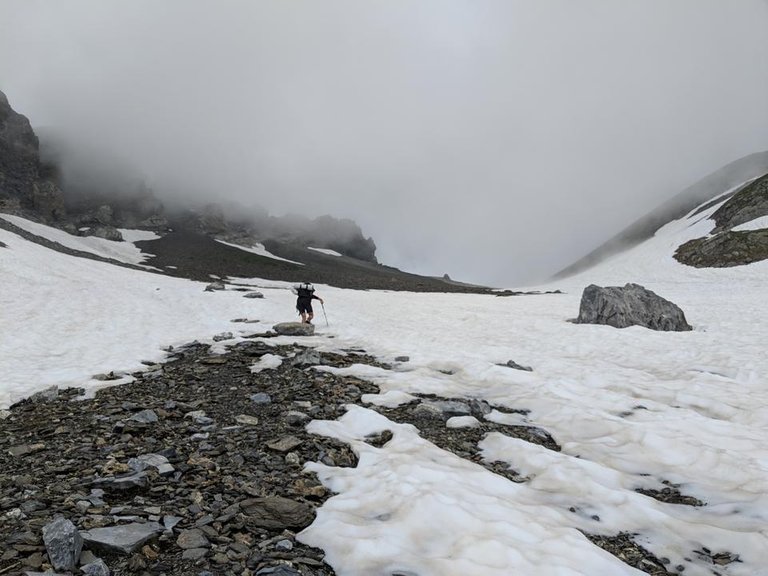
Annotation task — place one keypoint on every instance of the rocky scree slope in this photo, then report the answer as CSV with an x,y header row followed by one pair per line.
x,y
204,456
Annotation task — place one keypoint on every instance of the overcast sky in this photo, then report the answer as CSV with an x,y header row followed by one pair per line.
x,y
494,140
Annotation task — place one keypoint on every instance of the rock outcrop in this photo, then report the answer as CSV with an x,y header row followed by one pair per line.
x,y
726,246
22,187
630,305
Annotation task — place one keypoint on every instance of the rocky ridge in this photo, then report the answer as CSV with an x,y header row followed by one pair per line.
x,y
725,247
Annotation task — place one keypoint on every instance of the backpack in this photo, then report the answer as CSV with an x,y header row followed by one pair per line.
x,y
305,290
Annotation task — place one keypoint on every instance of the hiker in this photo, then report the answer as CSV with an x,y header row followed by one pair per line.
x,y
305,294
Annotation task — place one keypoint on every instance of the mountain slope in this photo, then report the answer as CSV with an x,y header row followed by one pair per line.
x,y
732,175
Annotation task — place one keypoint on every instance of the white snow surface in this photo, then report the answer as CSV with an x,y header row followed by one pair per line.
x,y
327,251
630,408
124,251
756,224
260,250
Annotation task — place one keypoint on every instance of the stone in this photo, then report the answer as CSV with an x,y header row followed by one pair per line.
x,y
63,543
122,483
515,366
261,398
402,358
284,544
285,444
21,450
308,357
189,539
97,568
194,554
448,408
106,232
223,336
294,329
47,395
247,420
169,522
253,295
277,513
282,570
4,414
144,417
123,539
295,418
630,305
141,463
213,286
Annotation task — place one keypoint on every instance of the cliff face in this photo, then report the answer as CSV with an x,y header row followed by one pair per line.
x,y
28,187
22,188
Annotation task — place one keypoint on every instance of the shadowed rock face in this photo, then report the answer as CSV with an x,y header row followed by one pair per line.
x,y
630,305
727,247
21,185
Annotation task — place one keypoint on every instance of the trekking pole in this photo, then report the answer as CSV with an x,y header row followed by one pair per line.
x,y
324,314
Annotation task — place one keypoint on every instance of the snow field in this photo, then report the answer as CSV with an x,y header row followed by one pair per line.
x,y
630,408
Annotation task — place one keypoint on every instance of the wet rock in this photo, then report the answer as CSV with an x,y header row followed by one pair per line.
x,y
294,329
253,295
123,539
63,544
402,358
278,571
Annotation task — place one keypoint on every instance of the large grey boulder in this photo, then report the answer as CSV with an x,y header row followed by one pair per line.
x,y
630,305
294,329
63,544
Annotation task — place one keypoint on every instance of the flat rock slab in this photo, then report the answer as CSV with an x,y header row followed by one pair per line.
x,y
123,539
285,444
246,420
277,513
294,329
192,539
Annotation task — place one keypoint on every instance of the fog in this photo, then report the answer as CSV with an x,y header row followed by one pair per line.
x,y
493,140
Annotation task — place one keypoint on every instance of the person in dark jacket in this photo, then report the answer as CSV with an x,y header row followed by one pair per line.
x,y
305,294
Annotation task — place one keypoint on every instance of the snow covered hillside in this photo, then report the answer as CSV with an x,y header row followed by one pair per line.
x,y
631,409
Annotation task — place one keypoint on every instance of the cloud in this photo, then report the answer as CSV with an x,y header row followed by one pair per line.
x,y
496,141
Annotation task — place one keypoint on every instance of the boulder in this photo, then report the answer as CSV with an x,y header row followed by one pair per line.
x,y
630,305
63,543
294,329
